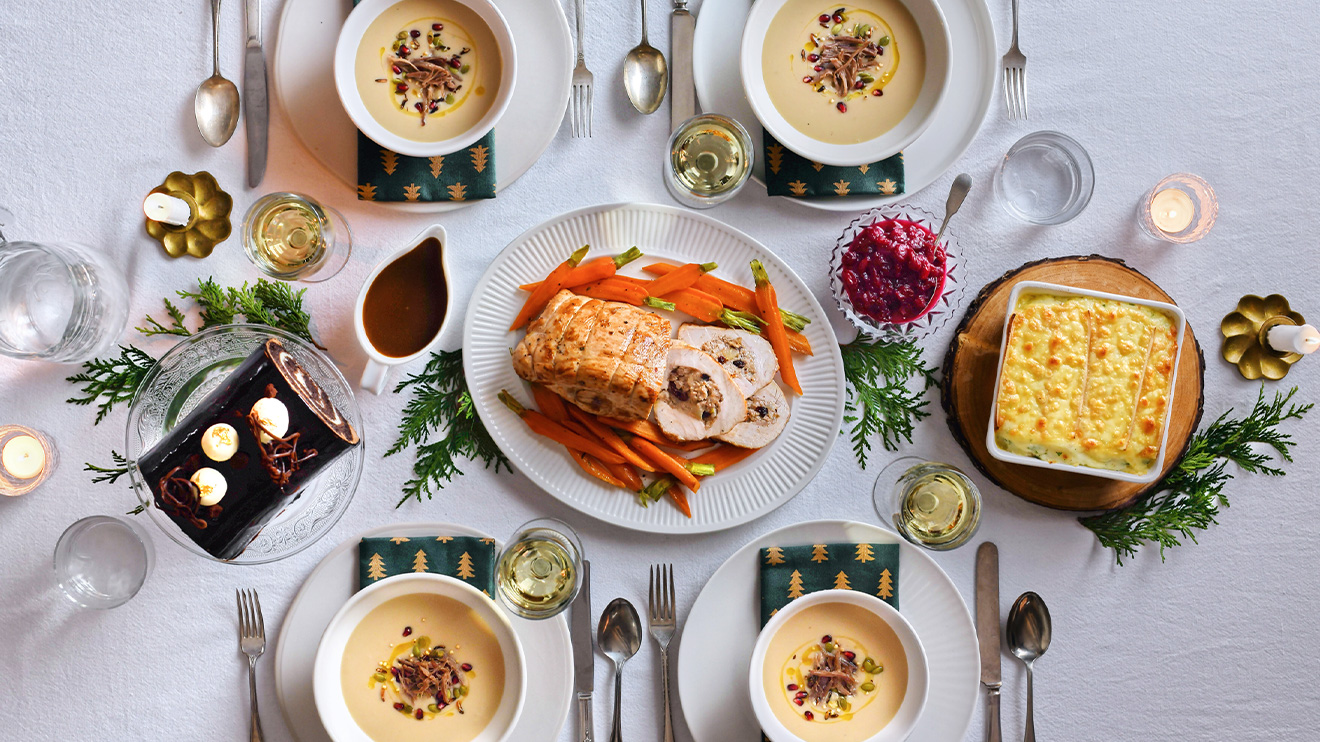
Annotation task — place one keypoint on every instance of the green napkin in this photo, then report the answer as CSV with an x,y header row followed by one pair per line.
x,y
789,572
384,175
469,559
789,174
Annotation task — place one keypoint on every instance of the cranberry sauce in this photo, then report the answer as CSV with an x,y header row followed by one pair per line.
x,y
893,270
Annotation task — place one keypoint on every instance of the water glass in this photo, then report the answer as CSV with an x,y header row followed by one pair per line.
x,y
539,572
102,562
1046,178
60,302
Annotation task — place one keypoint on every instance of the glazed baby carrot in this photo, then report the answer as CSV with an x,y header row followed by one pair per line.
x,y
668,462
537,300
609,438
549,403
723,457
595,468
625,473
612,289
768,307
651,432
680,277
699,304
594,270
731,295
543,425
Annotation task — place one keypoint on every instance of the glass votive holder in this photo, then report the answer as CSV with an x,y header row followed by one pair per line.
x,y
931,504
291,237
102,562
1046,178
1180,208
27,458
708,161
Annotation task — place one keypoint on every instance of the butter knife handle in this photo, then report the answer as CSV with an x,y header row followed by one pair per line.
x,y
992,716
586,727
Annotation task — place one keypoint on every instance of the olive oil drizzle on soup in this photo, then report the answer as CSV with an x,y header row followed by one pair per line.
x,y
459,28
888,90
391,631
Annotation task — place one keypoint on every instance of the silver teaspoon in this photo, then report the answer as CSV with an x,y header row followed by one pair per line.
x,y
645,74
957,192
216,104
619,636
1029,632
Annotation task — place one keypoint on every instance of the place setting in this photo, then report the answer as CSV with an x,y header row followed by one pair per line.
x,y
642,377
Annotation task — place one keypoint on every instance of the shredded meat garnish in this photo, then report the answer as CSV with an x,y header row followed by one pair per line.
x,y
843,59
435,76
280,455
832,672
432,674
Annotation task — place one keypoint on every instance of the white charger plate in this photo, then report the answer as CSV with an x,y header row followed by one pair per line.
x,y
546,645
739,494
973,69
723,623
304,83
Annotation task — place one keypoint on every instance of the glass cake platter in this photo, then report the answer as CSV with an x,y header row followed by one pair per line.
x,y
191,370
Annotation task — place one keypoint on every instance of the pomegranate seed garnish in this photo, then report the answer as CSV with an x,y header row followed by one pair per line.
x,y
437,26
466,667
826,639
418,714
792,686
418,105
859,85
398,707
838,18
824,18
807,79
414,33
818,68
843,107
402,88
808,715
798,701
395,69
877,92
813,57
455,62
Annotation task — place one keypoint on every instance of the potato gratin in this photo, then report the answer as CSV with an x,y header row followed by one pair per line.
x,y
1086,382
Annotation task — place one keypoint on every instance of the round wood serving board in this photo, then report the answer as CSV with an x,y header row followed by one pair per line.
x,y
972,362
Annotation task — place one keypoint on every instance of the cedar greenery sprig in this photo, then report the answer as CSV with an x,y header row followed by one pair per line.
x,y
1190,497
109,381
442,404
109,474
879,401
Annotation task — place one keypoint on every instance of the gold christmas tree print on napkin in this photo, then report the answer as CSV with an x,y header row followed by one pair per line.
x,y
464,557
467,174
789,174
789,572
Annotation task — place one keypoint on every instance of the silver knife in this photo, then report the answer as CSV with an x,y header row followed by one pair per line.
x,y
584,655
987,631
683,91
255,102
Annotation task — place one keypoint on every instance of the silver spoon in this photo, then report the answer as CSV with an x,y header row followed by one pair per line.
x,y
1028,638
619,637
957,192
216,104
645,74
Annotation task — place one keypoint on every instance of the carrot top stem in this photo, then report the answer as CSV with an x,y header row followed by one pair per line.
x,y
700,470
655,491
742,320
708,267
512,403
578,255
627,256
759,274
652,301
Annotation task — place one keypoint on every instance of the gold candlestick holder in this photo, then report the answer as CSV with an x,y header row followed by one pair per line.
x,y
1245,330
209,225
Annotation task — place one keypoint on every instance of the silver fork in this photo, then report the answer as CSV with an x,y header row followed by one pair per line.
x,y
662,630
581,82
252,641
1015,75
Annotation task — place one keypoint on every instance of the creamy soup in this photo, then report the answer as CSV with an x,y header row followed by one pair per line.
x,y
422,667
428,69
835,672
843,74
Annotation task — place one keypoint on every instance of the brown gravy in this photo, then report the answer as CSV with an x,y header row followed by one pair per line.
x,y
405,305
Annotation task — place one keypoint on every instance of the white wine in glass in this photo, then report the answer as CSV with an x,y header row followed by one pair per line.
x,y
929,503
538,573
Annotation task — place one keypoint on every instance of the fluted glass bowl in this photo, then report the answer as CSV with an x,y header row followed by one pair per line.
x,y
941,308
191,370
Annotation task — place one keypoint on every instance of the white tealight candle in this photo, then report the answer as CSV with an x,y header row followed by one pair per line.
x,y
160,207
23,457
1171,210
1302,339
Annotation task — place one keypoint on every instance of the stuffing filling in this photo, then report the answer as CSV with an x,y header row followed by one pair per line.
x,y
694,392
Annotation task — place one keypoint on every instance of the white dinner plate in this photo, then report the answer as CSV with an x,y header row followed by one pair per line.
x,y
546,645
973,69
304,83
723,625
741,493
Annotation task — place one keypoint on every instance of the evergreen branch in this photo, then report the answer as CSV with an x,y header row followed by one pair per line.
x,y
176,327
111,380
109,474
442,405
879,402
1190,498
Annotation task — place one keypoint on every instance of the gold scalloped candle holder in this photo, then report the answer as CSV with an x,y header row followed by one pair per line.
x,y
209,225
1245,330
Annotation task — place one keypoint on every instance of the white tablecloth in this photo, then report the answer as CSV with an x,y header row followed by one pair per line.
x,y
1218,643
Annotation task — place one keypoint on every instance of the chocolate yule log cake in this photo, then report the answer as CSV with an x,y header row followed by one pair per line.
x,y
246,451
